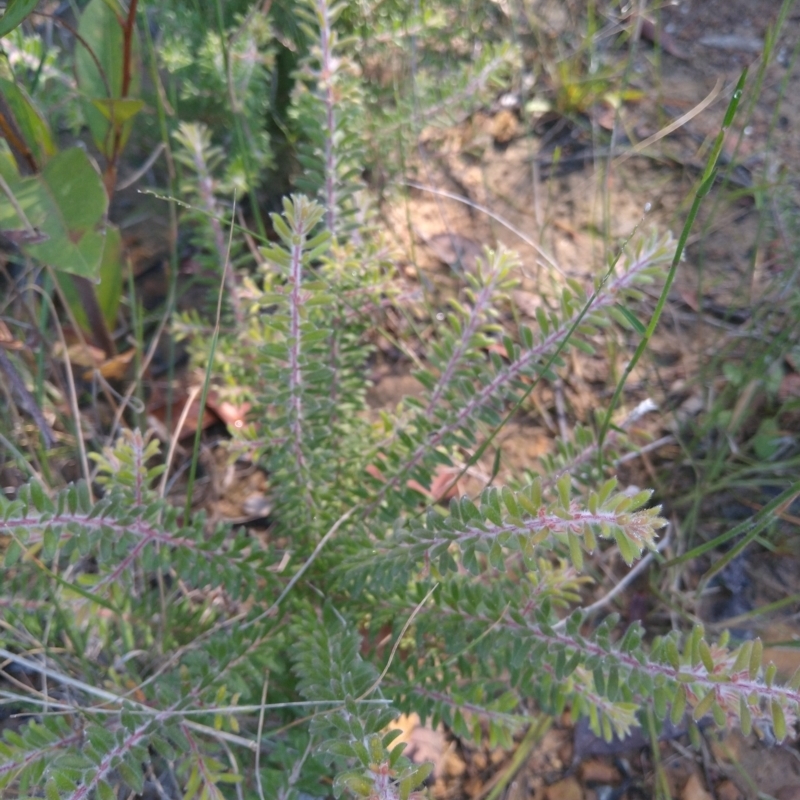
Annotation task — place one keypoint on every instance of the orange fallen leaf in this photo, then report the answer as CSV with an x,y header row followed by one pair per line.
x,y
440,488
7,340
81,355
115,368
159,414
693,790
232,414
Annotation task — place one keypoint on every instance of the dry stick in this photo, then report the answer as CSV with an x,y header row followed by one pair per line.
x,y
212,352
173,445
414,613
524,748
309,561
638,148
259,733
623,583
131,179
678,123
234,769
73,392
110,697
20,393
179,712
128,396
648,448
496,217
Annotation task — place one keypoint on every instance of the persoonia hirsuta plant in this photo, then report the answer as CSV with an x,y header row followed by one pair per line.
x,y
147,650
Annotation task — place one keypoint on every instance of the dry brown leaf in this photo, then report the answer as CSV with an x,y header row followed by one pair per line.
x,y
81,355
443,486
650,32
504,126
568,789
790,387
115,368
7,341
159,414
728,790
599,772
693,790
234,416
455,250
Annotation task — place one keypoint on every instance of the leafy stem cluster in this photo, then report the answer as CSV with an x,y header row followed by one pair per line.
x,y
146,650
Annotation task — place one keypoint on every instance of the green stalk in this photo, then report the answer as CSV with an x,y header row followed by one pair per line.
x,y
706,182
207,380
239,124
173,218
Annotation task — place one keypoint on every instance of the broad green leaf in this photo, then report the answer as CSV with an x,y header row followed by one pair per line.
x,y
119,110
16,11
66,203
31,124
632,320
107,110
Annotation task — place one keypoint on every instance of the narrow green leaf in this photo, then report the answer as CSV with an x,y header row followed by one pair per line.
x,y
575,551
704,706
660,702
755,658
633,320
673,654
510,501
705,655
678,705
794,683
745,720
743,655
564,486
778,721
13,553
15,14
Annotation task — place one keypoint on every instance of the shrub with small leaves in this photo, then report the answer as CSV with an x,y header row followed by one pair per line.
x,y
147,652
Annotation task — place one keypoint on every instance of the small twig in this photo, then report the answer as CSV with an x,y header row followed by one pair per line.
x,y
673,126
497,786
623,583
131,179
73,392
175,437
648,448
109,697
561,411
259,733
29,229
399,639
496,217
25,399
299,574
